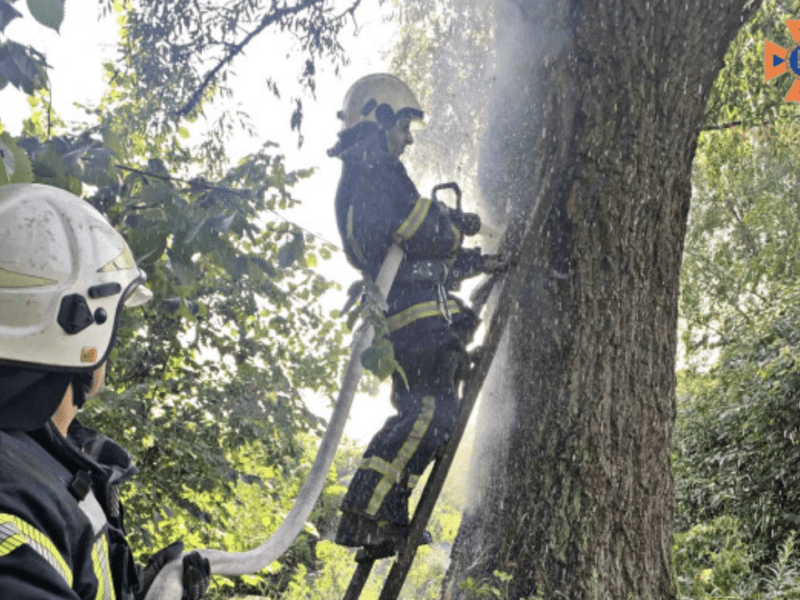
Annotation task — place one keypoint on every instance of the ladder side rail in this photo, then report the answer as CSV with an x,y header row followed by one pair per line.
x,y
512,286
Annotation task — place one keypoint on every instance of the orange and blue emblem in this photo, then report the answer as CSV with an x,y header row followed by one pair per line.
x,y
88,354
777,60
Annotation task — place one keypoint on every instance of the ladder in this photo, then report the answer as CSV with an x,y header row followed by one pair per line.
x,y
366,557
511,284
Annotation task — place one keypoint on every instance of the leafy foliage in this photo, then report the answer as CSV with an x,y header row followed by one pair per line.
x,y
783,579
212,370
379,358
711,559
735,461
736,438
20,65
736,434
740,95
206,380
184,50
743,236
444,52
710,562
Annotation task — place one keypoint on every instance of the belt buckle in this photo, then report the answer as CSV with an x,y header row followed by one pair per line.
x,y
422,269
441,300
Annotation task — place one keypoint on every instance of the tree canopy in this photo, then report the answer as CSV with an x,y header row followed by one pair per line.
x,y
207,381
735,439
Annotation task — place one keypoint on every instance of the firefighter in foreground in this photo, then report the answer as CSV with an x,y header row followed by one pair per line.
x,y
65,275
377,204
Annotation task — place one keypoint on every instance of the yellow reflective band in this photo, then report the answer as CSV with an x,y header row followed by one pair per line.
x,y
413,480
401,460
376,463
102,570
457,244
14,532
351,239
419,311
9,279
123,262
413,221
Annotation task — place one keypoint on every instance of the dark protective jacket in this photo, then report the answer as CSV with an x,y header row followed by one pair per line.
x,y
61,523
377,204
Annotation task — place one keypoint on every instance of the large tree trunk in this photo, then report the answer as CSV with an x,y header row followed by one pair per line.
x,y
597,112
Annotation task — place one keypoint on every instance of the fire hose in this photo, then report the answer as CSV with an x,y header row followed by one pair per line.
x,y
168,584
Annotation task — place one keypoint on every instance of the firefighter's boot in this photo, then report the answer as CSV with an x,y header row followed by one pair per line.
x,y
359,530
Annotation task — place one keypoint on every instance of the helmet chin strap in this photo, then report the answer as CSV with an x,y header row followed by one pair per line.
x,y
88,385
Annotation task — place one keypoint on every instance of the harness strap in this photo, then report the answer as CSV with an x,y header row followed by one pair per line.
x,y
434,271
351,239
422,310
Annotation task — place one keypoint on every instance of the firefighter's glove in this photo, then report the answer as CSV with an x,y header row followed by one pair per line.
x,y
495,263
466,223
455,365
155,564
196,572
196,576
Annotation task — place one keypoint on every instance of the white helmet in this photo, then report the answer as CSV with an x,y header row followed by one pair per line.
x,y
380,98
65,274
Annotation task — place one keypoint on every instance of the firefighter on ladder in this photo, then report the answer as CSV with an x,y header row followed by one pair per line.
x,y
65,275
377,204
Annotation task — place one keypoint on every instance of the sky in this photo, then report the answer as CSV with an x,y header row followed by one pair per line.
x,y
85,41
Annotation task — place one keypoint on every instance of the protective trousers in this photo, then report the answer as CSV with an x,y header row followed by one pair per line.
x,y
399,453
427,410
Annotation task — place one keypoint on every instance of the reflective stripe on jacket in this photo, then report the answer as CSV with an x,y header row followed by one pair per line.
x,y
61,531
377,204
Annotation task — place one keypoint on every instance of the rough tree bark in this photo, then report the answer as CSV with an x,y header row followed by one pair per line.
x,y
597,111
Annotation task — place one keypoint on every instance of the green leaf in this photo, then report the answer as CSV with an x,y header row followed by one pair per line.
x,y
221,223
49,167
99,168
7,14
157,194
156,166
112,141
195,231
292,252
22,165
379,358
49,13
184,269
19,69
148,244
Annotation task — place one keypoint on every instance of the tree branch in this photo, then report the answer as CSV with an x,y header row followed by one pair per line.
x,y
721,126
236,49
750,10
748,239
211,187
